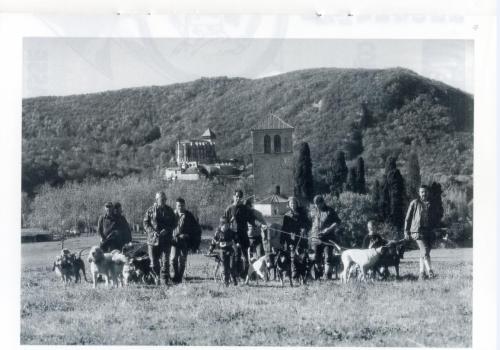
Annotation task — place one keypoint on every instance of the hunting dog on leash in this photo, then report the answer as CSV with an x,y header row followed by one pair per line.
x,y
67,265
109,265
260,267
395,252
138,270
282,262
364,258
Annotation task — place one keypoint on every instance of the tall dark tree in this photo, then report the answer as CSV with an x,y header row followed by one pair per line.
x,y
377,198
338,173
414,178
436,202
360,176
351,183
354,145
304,188
393,194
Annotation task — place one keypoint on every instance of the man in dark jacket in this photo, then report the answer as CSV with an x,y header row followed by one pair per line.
x,y
159,222
124,232
419,226
239,216
187,235
107,228
324,221
294,236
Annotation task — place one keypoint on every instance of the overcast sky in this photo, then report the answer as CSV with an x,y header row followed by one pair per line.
x,y
64,66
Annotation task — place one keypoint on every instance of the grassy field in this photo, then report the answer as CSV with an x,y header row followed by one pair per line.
x,y
200,311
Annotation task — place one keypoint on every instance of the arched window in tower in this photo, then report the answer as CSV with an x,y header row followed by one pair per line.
x,y
267,144
277,144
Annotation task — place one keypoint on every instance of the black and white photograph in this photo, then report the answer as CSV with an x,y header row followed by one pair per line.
x,y
215,190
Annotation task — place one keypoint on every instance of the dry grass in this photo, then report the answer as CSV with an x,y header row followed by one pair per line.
x,y
202,312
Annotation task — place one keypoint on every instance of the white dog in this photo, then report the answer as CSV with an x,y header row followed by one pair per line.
x,y
108,265
261,267
364,258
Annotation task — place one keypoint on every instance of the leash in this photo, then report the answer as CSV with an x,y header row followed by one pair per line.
x,y
328,243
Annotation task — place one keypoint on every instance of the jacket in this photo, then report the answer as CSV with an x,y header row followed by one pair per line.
x,y
294,222
418,217
107,226
159,222
188,228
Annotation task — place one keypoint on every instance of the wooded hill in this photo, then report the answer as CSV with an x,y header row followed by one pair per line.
x,y
372,113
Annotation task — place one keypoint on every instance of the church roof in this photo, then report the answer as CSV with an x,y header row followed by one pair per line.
x,y
274,198
208,134
272,122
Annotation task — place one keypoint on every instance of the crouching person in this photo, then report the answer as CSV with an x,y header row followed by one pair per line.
x,y
226,239
187,235
159,222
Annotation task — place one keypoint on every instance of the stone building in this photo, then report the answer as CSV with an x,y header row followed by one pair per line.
x,y
196,151
272,158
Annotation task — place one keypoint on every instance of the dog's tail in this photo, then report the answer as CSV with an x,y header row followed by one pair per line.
x,y
82,250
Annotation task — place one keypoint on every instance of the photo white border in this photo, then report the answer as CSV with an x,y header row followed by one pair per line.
x,y
479,27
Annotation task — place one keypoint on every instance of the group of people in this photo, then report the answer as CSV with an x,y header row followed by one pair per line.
x,y
243,232
170,235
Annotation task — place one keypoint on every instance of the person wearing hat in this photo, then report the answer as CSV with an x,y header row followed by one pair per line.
x,y
226,239
324,221
159,222
107,228
124,232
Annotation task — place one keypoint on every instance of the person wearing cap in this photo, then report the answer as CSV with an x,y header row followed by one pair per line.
x,y
159,222
324,222
226,239
239,216
186,235
256,230
107,228
124,232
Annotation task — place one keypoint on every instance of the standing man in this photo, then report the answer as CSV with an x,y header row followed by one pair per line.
x,y
124,232
187,235
159,222
239,216
419,227
107,228
294,238
324,221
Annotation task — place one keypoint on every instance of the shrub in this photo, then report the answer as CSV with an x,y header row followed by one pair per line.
x,y
354,211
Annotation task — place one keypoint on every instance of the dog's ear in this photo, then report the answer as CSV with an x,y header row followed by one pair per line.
x,y
90,259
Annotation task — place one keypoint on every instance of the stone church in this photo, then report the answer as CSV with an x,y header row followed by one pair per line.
x,y
272,158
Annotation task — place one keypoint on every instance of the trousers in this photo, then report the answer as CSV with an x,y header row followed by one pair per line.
x,y
178,259
160,257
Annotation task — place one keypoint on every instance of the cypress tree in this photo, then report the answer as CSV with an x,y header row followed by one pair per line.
x,y
304,188
360,176
351,184
436,203
393,194
338,173
354,146
376,198
414,178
